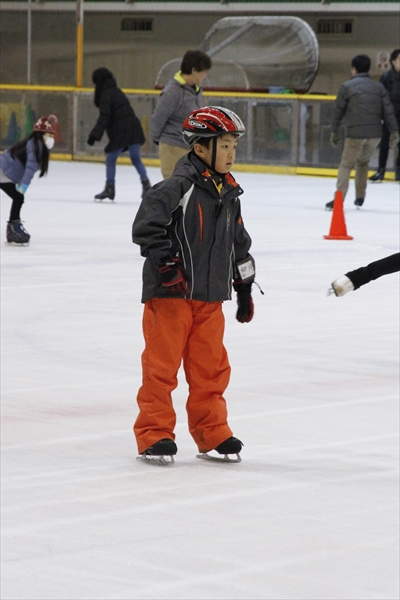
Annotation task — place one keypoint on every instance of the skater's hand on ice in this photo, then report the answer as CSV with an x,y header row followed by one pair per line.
x,y
334,139
393,140
245,304
172,277
90,140
21,188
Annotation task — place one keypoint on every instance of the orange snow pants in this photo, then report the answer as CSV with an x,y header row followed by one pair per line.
x,y
176,329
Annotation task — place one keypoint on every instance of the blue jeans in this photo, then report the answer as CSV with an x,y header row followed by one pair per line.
x,y
134,153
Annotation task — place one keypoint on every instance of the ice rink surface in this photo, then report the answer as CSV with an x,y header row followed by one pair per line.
x,y
312,509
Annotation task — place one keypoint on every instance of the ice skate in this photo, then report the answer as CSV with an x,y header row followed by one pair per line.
x,y
329,205
16,234
341,286
379,175
359,202
160,454
107,194
224,451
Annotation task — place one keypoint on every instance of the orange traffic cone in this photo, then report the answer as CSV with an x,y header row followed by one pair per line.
x,y
338,229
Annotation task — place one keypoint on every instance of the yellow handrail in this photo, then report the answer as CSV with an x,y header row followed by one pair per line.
x,y
206,93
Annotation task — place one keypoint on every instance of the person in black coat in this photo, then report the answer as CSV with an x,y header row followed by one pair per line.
x,y
391,81
122,126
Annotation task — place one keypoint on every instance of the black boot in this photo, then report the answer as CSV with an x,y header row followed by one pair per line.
x,y
379,175
146,185
329,205
16,234
230,446
398,174
164,447
359,201
161,453
108,192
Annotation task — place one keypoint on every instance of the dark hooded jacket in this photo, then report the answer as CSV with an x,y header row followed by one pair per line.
x,y
116,117
186,217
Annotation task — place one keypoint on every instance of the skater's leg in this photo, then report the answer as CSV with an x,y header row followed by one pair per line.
x,y
166,326
16,197
134,153
396,151
111,160
351,150
362,162
384,147
207,373
384,266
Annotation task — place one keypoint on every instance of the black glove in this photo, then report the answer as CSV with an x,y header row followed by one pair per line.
x,y
172,277
245,304
90,140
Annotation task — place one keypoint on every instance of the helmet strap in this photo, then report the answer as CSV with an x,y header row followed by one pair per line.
x,y
211,166
214,153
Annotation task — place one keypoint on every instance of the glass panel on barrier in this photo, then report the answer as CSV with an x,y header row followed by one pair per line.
x,y
19,111
272,131
291,130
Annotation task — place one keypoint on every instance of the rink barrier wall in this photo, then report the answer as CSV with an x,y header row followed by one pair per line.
x,y
286,133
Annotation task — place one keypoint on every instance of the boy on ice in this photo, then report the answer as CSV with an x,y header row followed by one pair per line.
x,y
190,230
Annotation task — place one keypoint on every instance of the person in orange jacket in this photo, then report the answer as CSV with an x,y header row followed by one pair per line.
x,y
190,229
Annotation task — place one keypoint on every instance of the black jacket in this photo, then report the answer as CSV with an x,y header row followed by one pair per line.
x,y
391,81
185,216
116,117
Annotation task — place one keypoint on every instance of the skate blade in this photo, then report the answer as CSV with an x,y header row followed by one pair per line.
x,y
219,457
331,292
16,244
162,460
106,200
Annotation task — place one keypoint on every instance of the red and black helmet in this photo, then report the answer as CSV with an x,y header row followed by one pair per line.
x,y
211,121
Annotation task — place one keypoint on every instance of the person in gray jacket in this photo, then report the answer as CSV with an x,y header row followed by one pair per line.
x,y
362,103
181,95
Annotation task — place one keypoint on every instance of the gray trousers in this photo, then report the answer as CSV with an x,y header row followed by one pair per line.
x,y
356,153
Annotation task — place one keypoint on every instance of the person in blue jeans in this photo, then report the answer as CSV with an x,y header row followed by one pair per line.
x,y
134,154
123,129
